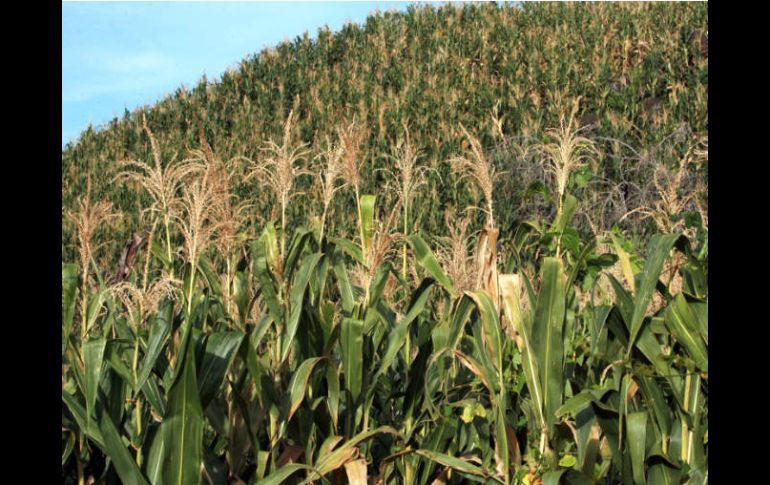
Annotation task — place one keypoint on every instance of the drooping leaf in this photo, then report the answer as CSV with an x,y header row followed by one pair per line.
x,y
160,328
121,458
356,472
428,261
298,385
279,476
346,451
349,247
462,466
683,324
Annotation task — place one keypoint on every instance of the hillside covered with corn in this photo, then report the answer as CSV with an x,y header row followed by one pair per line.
x,y
458,244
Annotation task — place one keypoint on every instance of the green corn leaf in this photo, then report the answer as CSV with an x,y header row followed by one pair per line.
x,y
215,469
95,305
159,332
628,267
298,385
296,298
212,279
547,340
266,284
636,425
582,257
579,400
567,211
333,395
121,458
241,295
460,315
113,352
156,400
650,347
298,244
683,324
663,473
660,246
93,356
218,356
69,280
656,401
452,462
565,477
68,447
328,445
79,413
509,291
501,441
269,242
349,247
177,450
397,335
343,283
428,261
478,369
352,355
490,325
279,476
367,222
623,301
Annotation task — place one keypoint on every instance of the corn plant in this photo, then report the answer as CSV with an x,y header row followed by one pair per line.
x,y
487,342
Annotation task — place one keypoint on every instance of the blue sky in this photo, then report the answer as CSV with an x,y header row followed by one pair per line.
x,y
121,55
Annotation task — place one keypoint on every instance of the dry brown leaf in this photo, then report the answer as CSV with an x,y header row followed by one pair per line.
x,y
356,472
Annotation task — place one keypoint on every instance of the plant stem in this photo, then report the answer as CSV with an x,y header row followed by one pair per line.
x,y
139,432
228,288
323,222
168,244
685,429
147,256
283,227
138,408
364,247
193,266
83,309
406,233
81,478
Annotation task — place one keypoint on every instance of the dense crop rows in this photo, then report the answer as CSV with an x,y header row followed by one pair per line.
x,y
478,310
641,71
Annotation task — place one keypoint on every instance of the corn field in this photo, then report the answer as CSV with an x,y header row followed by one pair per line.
x,y
312,327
